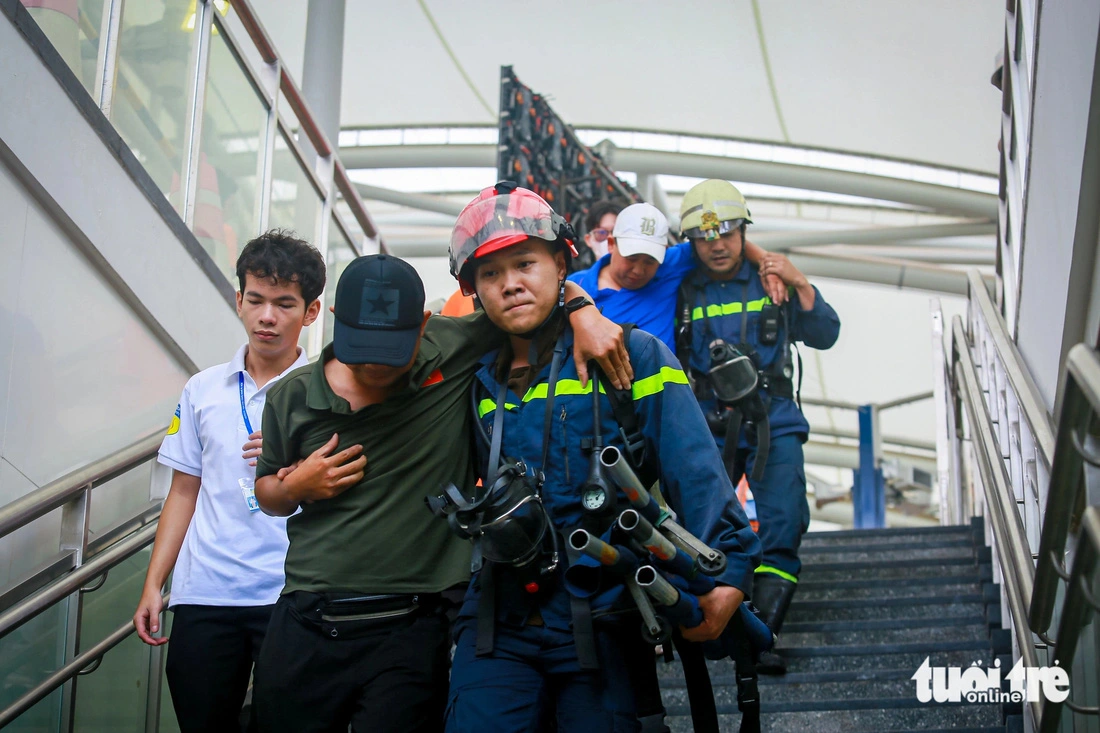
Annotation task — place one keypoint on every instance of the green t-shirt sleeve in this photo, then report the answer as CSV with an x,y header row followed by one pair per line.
x,y
466,338
277,451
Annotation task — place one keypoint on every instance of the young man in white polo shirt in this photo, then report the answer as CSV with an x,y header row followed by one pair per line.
x,y
227,554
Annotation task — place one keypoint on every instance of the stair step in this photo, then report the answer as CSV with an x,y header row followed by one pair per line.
x,y
886,608
777,697
931,543
883,657
900,570
864,662
866,695
928,718
836,641
970,619
886,555
888,534
913,589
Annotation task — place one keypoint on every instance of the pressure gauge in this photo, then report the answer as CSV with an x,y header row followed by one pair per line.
x,y
594,497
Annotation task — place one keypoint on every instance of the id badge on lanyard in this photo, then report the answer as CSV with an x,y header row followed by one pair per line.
x,y
248,483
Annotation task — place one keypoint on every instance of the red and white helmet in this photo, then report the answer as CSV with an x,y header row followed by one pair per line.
x,y
500,216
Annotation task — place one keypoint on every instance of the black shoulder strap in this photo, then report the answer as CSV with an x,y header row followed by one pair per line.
x,y
622,407
745,312
683,326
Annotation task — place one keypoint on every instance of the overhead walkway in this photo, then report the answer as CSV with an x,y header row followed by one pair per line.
x,y
116,186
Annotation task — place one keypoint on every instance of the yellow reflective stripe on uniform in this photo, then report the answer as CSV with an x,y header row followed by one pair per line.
x,y
656,383
776,571
644,387
563,387
486,406
729,309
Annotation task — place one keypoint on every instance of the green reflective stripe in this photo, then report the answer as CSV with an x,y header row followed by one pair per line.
x,y
656,383
644,387
776,571
729,309
486,406
563,387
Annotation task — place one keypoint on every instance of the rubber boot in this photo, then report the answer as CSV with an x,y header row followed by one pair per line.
x,y
772,595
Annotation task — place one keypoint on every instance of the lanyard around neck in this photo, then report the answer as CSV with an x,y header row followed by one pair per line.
x,y
244,412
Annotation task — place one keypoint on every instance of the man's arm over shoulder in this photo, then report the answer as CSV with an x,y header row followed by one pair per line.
x,y
678,262
818,327
469,336
692,473
586,278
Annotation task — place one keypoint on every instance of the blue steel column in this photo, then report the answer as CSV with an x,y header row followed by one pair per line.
x,y
868,489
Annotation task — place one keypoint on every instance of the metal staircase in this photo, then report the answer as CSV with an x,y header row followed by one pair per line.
x,y
871,606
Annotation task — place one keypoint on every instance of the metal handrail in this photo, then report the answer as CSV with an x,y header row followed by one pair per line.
x,y
297,102
35,604
40,502
1080,601
77,666
1012,548
1027,393
1065,500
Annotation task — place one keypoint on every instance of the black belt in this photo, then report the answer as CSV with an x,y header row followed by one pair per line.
x,y
349,614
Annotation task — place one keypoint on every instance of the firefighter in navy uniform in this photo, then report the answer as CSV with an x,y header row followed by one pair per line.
x,y
737,345
524,644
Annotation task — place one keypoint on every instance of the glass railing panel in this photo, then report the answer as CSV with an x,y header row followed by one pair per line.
x,y
149,107
114,696
295,203
167,719
28,548
227,212
340,253
120,498
28,655
295,128
73,28
244,44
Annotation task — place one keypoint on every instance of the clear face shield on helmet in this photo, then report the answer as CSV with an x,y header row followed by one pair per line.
x,y
711,229
495,222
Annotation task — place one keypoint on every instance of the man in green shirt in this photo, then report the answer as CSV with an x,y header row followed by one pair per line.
x,y
360,634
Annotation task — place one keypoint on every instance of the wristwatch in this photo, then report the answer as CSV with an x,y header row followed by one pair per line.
x,y
576,304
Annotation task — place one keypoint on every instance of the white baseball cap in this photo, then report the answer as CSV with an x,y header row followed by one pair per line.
x,y
641,229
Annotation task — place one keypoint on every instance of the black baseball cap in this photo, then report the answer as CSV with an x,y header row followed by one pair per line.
x,y
379,310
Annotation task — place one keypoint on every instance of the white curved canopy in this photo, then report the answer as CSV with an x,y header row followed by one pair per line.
x,y
892,78
888,77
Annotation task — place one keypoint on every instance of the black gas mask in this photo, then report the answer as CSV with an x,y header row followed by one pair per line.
x,y
732,372
508,520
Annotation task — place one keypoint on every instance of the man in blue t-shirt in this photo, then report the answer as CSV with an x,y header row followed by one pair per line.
x,y
638,279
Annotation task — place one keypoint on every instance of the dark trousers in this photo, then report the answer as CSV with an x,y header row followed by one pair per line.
x,y
210,658
781,505
388,675
533,682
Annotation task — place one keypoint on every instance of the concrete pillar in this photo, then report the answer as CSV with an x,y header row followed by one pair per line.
x,y
323,66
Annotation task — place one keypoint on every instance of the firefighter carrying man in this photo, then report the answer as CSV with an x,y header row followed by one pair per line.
x,y
736,344
528,642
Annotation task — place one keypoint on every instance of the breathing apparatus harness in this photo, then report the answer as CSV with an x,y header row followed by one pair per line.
x,y
743,390
510,515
